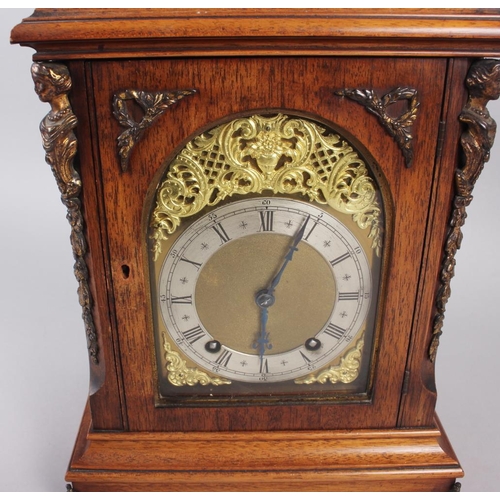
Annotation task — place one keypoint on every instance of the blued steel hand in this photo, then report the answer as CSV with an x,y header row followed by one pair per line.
x,y
265,298
262,343
288,257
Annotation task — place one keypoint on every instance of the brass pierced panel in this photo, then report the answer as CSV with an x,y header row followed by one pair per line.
x,y
286,155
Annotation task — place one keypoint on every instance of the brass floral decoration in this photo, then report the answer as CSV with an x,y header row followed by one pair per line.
x,y
347,370
52,84
179,374
483,83
154,104
282,154
398,127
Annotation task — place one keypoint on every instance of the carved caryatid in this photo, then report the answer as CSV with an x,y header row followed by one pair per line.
x,y
153,104
399,127
483,84
286,155
52,84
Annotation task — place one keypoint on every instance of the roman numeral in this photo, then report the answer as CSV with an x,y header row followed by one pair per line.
x,y
348,295
309,233
224,358
187,299
338,260
334,331
266,220
224,238
195,264
193,334
264,368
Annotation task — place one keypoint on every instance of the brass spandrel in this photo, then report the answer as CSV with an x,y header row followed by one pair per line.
x,y
251,155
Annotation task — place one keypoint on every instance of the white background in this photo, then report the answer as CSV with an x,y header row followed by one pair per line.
x,y
43,354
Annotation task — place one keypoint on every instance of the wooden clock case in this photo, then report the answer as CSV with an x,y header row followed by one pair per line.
x,y
410,88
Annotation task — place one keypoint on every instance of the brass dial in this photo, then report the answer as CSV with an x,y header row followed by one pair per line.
x,y
264,290
266,238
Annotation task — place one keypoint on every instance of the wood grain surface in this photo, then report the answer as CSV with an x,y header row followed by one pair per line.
x,y
242,62
123,33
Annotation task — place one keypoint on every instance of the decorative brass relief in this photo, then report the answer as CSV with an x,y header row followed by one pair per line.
x,y
346,371
52,84
483,83
398,127
278,153
179,374
154,104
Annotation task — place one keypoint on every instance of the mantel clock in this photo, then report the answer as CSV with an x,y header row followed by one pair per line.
x,y
265,208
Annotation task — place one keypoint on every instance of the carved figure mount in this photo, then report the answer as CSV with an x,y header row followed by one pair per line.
x,y
483,83
52,84
154,104
398,127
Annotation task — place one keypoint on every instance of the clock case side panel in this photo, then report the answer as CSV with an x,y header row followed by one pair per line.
x,y
420,393
105,395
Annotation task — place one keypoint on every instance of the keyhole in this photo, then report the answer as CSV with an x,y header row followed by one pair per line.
x,y
125,271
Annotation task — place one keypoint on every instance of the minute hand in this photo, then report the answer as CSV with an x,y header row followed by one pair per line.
x,y
288,256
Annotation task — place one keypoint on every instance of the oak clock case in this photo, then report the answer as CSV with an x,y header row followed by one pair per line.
x,y
265,298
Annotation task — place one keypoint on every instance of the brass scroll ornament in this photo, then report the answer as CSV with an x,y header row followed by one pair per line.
x,y
347,370
52,84
398,127
483,83
279,153
179,374
154,104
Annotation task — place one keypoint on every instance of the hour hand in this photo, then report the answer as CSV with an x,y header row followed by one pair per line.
x,y
263,300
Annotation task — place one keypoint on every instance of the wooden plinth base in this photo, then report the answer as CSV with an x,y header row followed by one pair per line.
x,y
366,460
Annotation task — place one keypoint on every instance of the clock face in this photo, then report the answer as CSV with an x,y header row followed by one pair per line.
x,y
265,266
264,290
